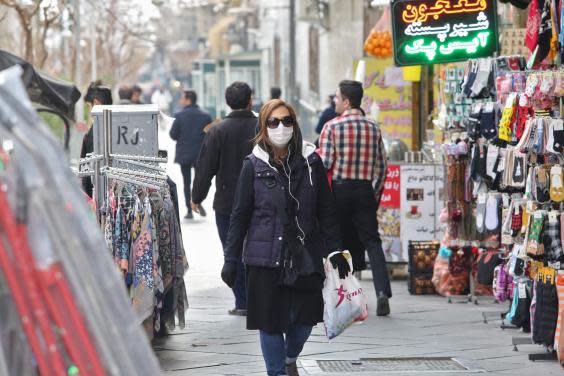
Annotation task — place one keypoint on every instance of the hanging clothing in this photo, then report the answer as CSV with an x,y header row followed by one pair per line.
x,y
533,26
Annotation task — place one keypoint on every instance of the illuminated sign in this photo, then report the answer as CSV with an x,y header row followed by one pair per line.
x,y
443,31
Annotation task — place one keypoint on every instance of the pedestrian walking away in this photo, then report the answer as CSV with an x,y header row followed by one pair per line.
x,y
284,221
224,148
352,149
125,94
96,94
137,92
327,114
188,132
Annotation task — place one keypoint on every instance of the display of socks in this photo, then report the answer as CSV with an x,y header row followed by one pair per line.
x,y
492,212
481,212
534,246
519,175
556,183
487,121
552,238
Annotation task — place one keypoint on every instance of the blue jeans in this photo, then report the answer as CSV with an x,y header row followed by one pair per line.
x,y
278,350
240,289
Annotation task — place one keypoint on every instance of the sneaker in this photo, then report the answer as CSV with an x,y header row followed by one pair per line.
x,y
383,305
189,215
237,312
292,369
202,211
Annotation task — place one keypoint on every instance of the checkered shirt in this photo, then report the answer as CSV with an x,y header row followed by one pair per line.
x,y
351,145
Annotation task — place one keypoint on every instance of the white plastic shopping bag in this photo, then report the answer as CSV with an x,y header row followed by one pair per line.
x,y
344,299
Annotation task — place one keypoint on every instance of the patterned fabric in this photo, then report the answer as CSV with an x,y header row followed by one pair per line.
x,y
534,245
142,260
180,266
143,233
123,223
351,145
156,200
553,243
516,222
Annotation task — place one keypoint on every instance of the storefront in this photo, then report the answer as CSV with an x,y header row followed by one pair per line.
x,y
496,114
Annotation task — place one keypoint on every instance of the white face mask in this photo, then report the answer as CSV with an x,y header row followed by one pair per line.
x,y
281,135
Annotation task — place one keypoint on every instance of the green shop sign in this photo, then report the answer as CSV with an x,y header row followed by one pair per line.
x,y
443,31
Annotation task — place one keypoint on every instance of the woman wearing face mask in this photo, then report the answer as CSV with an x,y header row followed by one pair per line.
x,y
283,223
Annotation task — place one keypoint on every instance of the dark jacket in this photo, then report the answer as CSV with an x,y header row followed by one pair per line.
x,y
224,148
188,132
87,147
262,218
327,114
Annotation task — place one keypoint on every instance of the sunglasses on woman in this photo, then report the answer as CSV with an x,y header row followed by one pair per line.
x,y
273,122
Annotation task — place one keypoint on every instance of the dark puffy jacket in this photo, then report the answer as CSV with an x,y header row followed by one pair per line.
x,y
260,215
224,148
188,132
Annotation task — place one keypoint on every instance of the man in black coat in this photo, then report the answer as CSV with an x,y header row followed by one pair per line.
x,y
188,132
225,146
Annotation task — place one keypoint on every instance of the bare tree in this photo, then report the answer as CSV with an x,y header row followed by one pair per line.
x,y
35,18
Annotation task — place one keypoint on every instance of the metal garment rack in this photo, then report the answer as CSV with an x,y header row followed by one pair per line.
x,y
102,166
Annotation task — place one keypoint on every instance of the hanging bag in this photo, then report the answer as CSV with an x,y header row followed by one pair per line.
x,y
344,300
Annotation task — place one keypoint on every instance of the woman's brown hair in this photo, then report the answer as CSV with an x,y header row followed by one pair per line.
x,y
262,139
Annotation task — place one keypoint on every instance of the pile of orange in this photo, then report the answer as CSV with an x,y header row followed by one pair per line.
x,y
379,44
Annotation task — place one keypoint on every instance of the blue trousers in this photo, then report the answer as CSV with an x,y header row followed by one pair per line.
x,y
279,350
240,289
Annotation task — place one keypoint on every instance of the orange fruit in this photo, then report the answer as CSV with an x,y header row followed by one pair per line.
x,y
377,51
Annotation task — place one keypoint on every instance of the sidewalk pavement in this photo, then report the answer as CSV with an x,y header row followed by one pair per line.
x,y
214,343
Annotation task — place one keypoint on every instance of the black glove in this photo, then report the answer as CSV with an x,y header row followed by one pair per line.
x,y
229,273
341,264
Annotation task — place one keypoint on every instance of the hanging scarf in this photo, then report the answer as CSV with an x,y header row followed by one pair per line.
x,y
545,33
555,27
533,25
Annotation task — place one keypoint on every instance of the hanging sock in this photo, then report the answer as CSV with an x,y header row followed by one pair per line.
x,y
481,212
556,184
492,212
552,240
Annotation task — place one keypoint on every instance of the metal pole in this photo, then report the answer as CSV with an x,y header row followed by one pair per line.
x,y
79,108
107,125
292,76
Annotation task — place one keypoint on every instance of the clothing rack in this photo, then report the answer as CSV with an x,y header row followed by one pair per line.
x,y
128,157
126,179
143,165
127,171
109,165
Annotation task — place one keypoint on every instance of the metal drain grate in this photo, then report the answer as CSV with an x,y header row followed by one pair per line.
x,y
390,365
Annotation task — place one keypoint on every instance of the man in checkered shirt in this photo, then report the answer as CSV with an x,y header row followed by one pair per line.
x,y
352,149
